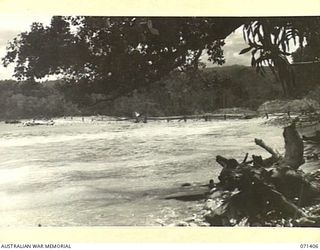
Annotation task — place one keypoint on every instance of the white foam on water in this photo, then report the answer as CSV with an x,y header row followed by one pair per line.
x,y
142,131
102,173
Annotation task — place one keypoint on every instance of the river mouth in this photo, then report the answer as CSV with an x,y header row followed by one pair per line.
x,y
115,173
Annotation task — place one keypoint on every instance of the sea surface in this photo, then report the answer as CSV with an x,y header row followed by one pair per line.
x,y
109,173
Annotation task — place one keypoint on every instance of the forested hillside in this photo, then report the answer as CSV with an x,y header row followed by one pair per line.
x,y
32,100
211,89
178,93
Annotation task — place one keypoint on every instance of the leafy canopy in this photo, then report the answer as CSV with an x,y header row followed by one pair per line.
x,y
116,55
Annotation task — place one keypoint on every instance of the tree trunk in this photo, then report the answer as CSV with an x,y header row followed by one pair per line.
x,y
293,156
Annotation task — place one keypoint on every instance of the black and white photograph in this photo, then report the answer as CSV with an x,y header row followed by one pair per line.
x,y
161,121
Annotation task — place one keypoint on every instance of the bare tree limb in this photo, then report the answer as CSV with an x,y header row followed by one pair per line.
x,y
270,150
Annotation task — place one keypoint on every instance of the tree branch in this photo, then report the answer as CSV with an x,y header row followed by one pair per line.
x,y
270,150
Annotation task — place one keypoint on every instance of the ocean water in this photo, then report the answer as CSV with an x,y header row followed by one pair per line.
x,y
112,173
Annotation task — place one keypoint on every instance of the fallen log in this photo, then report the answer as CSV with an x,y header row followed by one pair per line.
x,y
259,205
263,191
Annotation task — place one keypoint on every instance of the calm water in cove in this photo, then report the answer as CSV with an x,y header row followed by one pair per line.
x,y
114,173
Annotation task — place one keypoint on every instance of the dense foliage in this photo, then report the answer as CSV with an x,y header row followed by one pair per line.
x,y
307,70
176,94
214,88
118,55
32,100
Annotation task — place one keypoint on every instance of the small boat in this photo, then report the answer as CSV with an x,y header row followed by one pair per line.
x,y
37,123
12,121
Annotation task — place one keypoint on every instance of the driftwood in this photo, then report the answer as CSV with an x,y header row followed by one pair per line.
x,y
262,144
258,161
293,147
262,191
293,156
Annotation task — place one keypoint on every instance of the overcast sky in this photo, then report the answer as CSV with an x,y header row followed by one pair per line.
x,y
11,26
234,43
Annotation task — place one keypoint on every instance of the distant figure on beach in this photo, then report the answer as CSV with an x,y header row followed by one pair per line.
x,y
267,116
137,117
289,114
82,119
225,116
185,118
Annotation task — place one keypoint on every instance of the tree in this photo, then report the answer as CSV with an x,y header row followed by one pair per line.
x,y
116,55
306,61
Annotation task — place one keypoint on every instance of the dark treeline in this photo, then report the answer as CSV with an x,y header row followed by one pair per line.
x,y
204,92
177,93
211,89
307,76
32,100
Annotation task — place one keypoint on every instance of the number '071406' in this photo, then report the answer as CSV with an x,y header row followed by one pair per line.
x,y
309,245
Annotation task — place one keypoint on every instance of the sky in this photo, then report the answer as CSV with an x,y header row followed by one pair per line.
x,y
12,25
234,44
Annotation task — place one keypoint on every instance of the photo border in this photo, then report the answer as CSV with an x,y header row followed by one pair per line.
x,y
160,8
